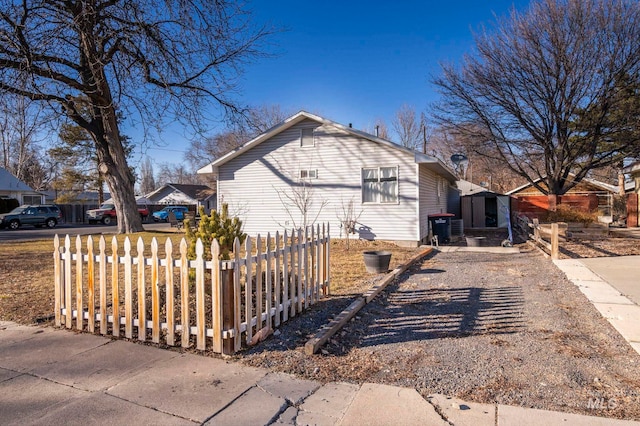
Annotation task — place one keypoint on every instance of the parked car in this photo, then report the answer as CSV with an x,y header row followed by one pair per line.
x,y
106,214
163,215
48,215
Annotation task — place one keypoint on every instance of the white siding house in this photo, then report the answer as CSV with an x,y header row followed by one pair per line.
x,y
12,187
393,189
183,194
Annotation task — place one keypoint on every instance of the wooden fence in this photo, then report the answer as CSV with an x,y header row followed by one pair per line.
x,y
223,302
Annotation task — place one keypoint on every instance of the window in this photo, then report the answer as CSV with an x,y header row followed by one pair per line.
x,y
308,174
31,199
380,185
306,137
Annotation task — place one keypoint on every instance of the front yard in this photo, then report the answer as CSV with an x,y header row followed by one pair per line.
x,y
26,268
484,327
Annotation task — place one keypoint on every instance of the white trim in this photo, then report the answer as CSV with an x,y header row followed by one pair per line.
x,y
310,174
433,163
313,137
418,218
396,202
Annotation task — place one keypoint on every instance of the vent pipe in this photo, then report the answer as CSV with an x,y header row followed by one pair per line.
x,y
377,131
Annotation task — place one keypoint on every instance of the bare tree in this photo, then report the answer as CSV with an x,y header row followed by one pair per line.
x,y
21,130
348,218
175,173
408,127
262,118
147,179
301,204
379,129
542,89
480,169
257,120
157,60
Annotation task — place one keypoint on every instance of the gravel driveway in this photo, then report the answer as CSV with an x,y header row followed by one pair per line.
x,y
505,328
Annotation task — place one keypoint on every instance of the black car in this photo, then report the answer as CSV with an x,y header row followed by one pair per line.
x,y
38,215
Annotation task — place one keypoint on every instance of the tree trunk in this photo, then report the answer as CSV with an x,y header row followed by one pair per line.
x,y
553,202
117,175
621,191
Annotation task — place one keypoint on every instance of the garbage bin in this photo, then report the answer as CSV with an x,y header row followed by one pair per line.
x,y
441,226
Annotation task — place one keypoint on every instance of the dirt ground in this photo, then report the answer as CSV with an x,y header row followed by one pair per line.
x,y
491,328
484,327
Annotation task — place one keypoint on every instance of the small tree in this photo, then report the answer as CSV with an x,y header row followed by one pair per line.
x,y
348,218
217,226
298,203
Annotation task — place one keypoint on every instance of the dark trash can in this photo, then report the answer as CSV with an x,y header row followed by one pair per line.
x,y
441,226
377,261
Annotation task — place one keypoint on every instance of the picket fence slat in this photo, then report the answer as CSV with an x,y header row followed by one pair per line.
x,y
268,280
170,324
57,281
128,290
155,294
102,264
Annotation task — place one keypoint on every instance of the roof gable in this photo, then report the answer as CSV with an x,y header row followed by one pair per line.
x,y
430,161
597,185
195,192
8,182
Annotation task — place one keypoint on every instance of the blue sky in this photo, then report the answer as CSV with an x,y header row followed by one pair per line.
x,y
356,61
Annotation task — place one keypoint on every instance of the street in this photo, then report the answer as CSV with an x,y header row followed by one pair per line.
x,y
29,233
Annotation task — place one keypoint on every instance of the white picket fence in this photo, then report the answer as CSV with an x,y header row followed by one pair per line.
x,y
224,302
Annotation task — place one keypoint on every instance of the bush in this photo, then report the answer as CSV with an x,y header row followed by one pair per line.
x,y
217,226
8,204
566,213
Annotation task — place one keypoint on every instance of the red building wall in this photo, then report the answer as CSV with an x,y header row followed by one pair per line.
x,y
538,205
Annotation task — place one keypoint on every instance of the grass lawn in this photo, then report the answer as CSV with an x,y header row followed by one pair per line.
x,y
26,271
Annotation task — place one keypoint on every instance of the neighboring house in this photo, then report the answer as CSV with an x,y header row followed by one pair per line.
x,y
588,195
633,200
12,187
182,194
314,164
83,198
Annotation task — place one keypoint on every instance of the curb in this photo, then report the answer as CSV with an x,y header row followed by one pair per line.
x,y
325,333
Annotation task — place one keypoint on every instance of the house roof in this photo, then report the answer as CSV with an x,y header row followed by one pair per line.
x,y
80,196
596,183
8,182
430,162
197,192
470,188
632,168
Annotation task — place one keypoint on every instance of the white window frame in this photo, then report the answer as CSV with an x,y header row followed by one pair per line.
x,y
309,174
313,137
378,192
31,199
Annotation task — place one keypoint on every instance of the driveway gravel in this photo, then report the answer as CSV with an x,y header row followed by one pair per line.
x,y
484,327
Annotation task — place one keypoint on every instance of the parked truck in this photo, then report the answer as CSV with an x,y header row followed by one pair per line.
x,y
106,214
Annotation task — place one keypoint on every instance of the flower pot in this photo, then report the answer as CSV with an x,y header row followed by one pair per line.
x,y
376,262
475,241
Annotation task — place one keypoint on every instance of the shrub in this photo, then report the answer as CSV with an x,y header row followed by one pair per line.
x,y
217,226
566,213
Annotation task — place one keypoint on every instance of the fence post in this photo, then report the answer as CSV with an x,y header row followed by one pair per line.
x,y
228,314
536,229
57,279
554,241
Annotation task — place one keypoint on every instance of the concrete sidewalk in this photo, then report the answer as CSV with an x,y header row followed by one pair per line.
x,y
612,284
50,376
